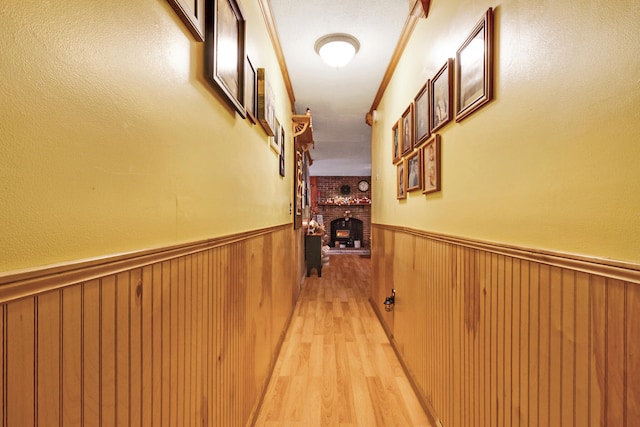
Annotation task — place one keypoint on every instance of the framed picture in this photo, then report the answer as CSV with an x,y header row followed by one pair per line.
x,y
401,188
275,140
431,163
191,13
250,90
266,104
421,106
414,172
396,155
406,133
281,157
474,62
441,96
224,52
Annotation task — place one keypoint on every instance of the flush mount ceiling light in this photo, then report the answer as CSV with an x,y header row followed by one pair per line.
x,y
337,49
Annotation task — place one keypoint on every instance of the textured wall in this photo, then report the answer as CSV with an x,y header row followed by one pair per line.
x,y
113,141
552,161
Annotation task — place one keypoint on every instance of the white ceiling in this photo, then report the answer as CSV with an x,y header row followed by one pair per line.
x,y
338,98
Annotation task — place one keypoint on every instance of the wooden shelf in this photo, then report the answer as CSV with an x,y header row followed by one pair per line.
x,y
303,131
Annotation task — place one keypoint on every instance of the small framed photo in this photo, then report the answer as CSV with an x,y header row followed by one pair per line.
x,y
474,61
275,140
191,13
250,91
396,154
441,96
431,163
406,133
401,187
281,157
414,172
224,52
421,105
266,104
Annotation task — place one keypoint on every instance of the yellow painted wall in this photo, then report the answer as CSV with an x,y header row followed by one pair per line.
x,y
111,140
553,162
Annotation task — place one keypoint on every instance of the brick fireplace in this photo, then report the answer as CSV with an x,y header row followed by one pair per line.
x,y
327,200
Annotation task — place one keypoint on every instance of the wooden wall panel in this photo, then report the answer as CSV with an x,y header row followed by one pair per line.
x,y
187,336
49,350
500,336
20,358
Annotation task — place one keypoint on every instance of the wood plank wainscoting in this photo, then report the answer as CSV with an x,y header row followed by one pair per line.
x,y
185,335
495,335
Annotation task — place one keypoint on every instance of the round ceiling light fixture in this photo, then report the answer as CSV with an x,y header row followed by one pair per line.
x,y
337,49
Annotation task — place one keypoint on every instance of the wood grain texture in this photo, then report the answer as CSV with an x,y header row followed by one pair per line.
x,y
188,340
510,337
336,366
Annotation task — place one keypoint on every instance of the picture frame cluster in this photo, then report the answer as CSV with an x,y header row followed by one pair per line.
x,y
466,81
231,73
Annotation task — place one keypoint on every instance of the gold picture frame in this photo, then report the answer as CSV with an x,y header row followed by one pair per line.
x,y
266,104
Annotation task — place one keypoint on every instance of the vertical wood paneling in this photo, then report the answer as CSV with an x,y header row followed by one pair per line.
x,y
149,359
502,341
20,360
122,352
91,353
568,361
3,359
173,306
525,343
632,362
48,370
108,317
516,343
544,345
156,350
534,344
598,362
615,353
582,349
166,351
186,341
72,356
508,340
135,346
555,344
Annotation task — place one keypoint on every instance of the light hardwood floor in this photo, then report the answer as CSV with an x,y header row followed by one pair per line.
x,y
336,366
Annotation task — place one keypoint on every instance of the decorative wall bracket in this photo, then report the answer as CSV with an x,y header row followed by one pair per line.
x,y
303,131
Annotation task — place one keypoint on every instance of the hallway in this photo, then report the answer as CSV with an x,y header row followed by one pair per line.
x,y
336,366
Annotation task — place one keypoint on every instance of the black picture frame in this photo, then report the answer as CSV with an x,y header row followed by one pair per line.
x,y
282,146
192,14
250,91
224,68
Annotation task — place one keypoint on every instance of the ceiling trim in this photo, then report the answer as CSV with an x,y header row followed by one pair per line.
x,y
419,9
265,6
